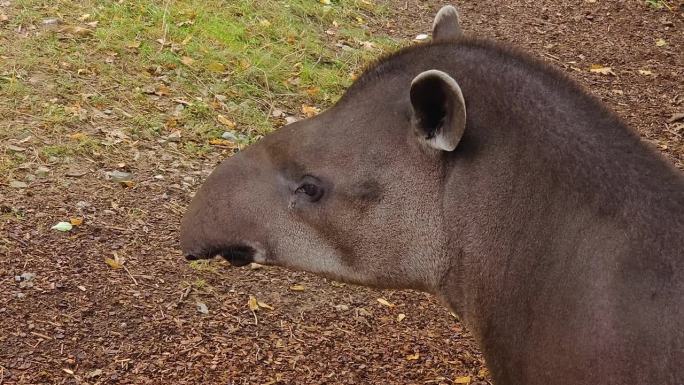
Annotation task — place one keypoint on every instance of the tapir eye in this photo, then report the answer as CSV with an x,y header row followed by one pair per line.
x,y
310,188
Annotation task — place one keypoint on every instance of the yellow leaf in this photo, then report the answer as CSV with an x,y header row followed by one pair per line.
x,y
252,303
661,43
599,69
462,380
76,221
310,111
385,302
312,91
222,143
297,288
114,264
413,357
78,136
264,305
187,60
401,317
216,67
225,121
162,90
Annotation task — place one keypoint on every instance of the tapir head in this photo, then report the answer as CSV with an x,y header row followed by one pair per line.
x,y
351,194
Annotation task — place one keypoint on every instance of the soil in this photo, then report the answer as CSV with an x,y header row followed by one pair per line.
x,y
82,321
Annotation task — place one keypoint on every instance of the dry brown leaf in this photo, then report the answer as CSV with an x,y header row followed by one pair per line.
x,y
599,69
297,288
76,221
462,380
3,17
222,143
413,357
310,111
385,302
264,305
162,90
401,317
225,121
187,60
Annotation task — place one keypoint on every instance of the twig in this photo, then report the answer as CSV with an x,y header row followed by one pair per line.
x,y
130,275
43,336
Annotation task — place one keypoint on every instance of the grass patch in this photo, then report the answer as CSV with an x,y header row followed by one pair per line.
x,y
176,65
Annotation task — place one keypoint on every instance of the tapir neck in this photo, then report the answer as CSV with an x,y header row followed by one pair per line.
x,y
553,208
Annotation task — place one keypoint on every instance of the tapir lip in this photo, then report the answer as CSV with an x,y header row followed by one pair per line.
x,y
237,255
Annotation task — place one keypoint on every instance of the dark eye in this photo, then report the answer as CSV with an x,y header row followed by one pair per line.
x,y
310,190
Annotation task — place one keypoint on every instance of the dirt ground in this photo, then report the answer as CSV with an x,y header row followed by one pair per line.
x,y
81,321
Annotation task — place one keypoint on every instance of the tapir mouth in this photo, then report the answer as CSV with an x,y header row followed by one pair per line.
x,y
238,255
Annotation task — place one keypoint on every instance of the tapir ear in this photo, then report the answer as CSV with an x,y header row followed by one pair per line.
x,y
439,112
447,25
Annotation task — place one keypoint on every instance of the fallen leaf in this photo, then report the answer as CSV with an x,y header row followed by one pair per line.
x,y
385,302
264,305
222,143
462,380
94,373
312,91
225,121
68,371
76,221
645,72
113,263
413,357
76,30
187,60
401,317
265,23
162,90
81,288
599,69
62,226
297,288
252,303
324,2
216,67
133,44
310,111
421,37
18,184
661,43
3,17
202,308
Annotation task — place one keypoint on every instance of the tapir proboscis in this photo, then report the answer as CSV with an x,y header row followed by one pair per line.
x,y
471,171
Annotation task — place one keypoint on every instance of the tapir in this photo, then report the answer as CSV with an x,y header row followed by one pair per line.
x,y
464,168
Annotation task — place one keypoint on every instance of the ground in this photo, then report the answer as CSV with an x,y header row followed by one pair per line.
x,y
146,89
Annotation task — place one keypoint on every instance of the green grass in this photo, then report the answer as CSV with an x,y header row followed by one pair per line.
x,y
658,4
237,58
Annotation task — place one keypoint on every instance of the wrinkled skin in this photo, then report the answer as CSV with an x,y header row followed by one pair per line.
x,y
472,172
